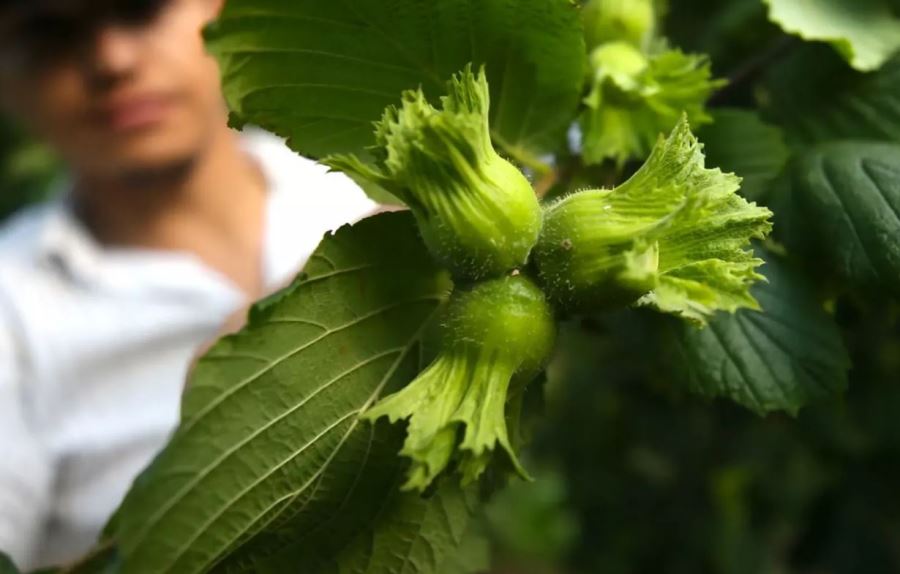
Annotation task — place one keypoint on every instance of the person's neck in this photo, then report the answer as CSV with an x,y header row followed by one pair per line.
x,y
212,206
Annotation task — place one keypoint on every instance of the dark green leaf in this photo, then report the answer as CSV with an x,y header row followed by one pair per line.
x,y
818,98
779,359
27,170
841,211
409,535
6,565
865,32
320,72
271,447
739,141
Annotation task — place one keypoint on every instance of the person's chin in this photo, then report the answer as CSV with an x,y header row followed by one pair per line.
x,y
153,151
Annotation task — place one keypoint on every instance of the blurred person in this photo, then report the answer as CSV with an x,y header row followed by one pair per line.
x,y
170,223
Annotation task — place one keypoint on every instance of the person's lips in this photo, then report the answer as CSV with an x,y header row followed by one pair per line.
x,y
129,113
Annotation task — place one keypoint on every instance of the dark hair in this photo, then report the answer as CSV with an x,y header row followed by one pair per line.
x,y
41,30
129,11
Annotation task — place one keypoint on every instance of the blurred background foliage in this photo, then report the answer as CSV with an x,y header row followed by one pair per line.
x,y
639,477
27,170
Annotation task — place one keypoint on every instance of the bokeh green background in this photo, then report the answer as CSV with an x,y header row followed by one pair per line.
x,y
639,477
27,170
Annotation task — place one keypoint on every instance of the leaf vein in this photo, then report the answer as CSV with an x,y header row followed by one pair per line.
x,y
191,423
212,466
829,180
866,170
290,497
779,383
230,503
751,391
256,91
325,53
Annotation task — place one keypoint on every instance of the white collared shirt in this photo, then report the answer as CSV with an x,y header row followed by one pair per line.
x,y
95,344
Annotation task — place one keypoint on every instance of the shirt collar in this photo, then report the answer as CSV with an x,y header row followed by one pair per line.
x,y
65,243
68,246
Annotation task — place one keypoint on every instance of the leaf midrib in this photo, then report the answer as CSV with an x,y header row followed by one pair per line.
x,y
154,520
414,340
214,465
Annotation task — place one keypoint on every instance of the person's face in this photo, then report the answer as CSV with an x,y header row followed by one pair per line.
x,y
123,89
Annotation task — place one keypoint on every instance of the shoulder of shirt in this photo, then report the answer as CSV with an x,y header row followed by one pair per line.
x,y
21,236
21,247
300,176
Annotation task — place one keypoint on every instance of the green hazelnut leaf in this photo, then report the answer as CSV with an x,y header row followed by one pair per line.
x,y
865,32
635,97
841,212
446,531
319,73
739,141
817,98
779,359
6,564
272,455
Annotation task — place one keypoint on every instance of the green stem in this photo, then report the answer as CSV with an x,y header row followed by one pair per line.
x,y
522,156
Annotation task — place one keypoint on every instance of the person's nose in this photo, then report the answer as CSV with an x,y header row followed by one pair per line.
x,y
112,52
